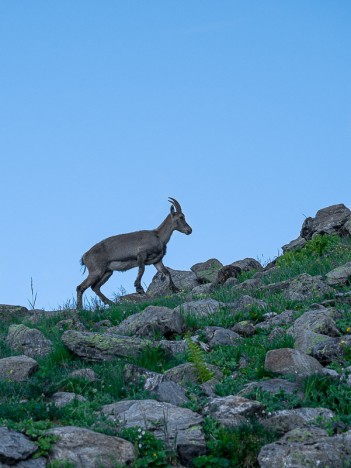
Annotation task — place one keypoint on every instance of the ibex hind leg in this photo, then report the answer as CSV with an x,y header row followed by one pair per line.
x,y
162,269
89,281
96,287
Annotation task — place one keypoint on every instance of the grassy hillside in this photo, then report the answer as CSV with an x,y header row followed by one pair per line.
x,y
26,406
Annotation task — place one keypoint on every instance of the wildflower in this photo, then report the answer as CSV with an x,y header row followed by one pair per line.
x,y
348,329
11,371
140,445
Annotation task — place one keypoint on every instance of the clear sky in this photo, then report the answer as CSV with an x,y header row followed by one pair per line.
x,y
241,110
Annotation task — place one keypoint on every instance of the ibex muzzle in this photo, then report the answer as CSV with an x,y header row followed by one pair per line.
x,y
126,251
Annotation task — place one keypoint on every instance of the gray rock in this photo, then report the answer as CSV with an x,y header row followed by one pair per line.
x,y
295,244
88,449
138,375
248,264
286,420
333,349
226,272
200,308
206,272
14,446
202,289
285,318
219,336
102,346
170,392
173,348
186,373
273,386
87,374
305,287
178,427
17,368
247,285
30,463
183,280
70,324
231,282
340,276
28,341
313,328
151,320
307,447
10,312
244,328
61,399
329,220
232,410
291,361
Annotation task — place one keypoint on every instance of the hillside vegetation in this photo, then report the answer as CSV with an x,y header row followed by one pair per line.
x,y
231,368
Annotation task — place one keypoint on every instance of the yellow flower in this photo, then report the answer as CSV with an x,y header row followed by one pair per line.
x,y
11,371
348,329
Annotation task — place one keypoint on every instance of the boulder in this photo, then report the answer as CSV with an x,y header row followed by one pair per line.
x,y
10,312
14,447
305,287
138,375
95,346
247,285
219,336
206,272
28,341
291,361
283,421
310,447
248,264
87,374
295,244
170,392
186,373
183,280
246,303
173,348
340,276
179,427
151,320
284,318
17,368
329,220
244,328
226,272
61,399
273,386
200,308
85,448
232,410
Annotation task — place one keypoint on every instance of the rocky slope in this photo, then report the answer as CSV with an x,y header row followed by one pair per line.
x,y
247,366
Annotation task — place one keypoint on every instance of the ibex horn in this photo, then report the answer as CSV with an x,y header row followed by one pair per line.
x,y
176,204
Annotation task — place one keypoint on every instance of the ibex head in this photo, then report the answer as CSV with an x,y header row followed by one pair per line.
x,y
178,218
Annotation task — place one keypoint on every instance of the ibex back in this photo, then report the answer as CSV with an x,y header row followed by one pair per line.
x,y
126,251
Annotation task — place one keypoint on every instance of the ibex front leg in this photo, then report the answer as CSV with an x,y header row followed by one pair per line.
x,y
162,269
137,283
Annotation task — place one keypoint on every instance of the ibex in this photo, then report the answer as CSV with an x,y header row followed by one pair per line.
x,y
126,251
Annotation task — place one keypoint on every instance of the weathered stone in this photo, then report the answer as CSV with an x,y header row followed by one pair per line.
x,y
88,449
333,349
201,289
200,308
17,368
14,446
186,373
285,318
70,324
183,280
291,361
248,285
170,392
87,374
305,287
340,276
28,341
102,346
273,386
178,427
283,421
61,399
329,220
231,282
173,347
232,410
307,447
206,272
295,244
30,463
244,328
314,327
137,375
248,264
151,320
226,272
10,312
219,336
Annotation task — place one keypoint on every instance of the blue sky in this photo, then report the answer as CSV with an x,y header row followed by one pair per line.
x,y
241,110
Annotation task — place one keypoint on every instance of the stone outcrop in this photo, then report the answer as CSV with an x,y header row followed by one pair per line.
x,y
17,368
28,341
232,410
330,220
288,361
183,280
14,447
206,272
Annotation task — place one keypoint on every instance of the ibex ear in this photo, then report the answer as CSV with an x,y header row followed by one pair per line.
x,y
172,210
